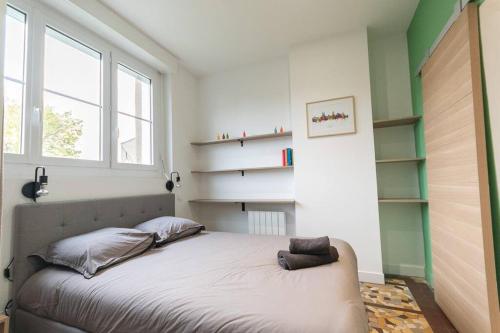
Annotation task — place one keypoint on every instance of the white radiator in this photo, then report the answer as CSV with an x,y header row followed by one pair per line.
x,y
266,223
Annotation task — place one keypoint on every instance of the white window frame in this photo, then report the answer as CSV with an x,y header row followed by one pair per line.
x,y
88,39
123,59
38,16
26,119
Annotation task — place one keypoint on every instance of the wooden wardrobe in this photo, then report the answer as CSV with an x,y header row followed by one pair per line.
x,y
459,204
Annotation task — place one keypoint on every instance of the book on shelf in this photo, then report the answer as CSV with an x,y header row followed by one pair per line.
x,y
287,157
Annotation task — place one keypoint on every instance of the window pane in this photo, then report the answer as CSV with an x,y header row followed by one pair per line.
x,y
72,117
134,93
15,26
71,129
13,107
134,140
72,68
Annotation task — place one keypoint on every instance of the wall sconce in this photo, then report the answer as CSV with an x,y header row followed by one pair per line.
x,y
170,183
37,188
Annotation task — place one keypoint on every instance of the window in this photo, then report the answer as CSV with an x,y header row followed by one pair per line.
x,y
134,117
14,80
73,99
72,103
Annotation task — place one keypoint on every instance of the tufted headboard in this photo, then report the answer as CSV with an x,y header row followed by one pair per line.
x,y
37,225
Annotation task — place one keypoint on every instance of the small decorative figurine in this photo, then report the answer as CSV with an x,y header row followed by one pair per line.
x,y
223,136
244,134
276,130
282,130
227,135
218,136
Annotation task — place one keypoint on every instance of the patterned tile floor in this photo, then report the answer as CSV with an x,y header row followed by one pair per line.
x,y
392,308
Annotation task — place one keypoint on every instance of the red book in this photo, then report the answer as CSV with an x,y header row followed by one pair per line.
x,y
283,157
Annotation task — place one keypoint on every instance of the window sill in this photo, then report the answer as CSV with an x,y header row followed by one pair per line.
x,y
21,166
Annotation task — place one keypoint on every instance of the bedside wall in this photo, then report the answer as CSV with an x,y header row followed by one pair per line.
x,y
335,178
254,99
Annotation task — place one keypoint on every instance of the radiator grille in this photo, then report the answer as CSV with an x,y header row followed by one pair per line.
x,y
266,223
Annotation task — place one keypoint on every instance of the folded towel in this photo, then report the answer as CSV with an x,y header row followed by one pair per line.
x,y
319,245
291,261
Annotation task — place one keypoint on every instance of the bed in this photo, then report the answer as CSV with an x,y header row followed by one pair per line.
x,y
210,282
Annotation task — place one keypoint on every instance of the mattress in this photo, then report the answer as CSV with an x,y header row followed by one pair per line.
x,y
211,282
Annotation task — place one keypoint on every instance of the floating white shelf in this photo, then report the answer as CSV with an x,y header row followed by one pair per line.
x,y
396,122
401,160
244,201
402,200
243,139
243,170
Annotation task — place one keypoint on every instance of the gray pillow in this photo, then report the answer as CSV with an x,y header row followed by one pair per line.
x,y
90,252
168,228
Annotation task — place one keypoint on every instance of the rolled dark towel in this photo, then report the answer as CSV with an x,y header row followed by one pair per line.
x,y
320,245
297,261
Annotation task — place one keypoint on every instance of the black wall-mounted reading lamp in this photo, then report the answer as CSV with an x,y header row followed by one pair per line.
x,y
170,182
38,188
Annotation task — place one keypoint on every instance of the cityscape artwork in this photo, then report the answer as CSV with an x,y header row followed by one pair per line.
x,y
331,117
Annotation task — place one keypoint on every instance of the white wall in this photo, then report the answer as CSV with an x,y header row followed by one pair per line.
x,y
3,283
335,180
401,225
254,99
183,130
490,30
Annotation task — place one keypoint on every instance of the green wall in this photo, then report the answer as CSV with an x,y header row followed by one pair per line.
x,y
429,19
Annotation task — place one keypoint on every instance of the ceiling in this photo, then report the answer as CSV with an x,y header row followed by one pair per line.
x,y
215,35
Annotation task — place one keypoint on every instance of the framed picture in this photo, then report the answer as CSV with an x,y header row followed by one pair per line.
x,y
334,116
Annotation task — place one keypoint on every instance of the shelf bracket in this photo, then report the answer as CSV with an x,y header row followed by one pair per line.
x,y
243,207
242,173
241,143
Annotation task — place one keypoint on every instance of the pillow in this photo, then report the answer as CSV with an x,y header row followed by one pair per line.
x,y
93,251
168,228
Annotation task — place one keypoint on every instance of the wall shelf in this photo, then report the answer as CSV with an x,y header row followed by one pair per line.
x,y
396,122
243,139
402,200
243,170
401,160
243,202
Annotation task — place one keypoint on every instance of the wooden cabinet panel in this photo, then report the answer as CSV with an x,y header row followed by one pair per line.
x,y
459,203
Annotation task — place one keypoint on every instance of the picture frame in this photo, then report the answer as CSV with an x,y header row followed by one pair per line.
x,y
335,116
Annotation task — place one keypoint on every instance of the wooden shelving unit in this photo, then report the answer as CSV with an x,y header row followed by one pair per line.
x,y
243,139
403,121
243,170
243,202
402,200
396,122
401,160
277,201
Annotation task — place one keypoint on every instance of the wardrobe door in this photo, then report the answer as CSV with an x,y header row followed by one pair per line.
x,y
459,203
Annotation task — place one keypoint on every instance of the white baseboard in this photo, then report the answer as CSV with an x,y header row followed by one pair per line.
x,y
372,277
405,269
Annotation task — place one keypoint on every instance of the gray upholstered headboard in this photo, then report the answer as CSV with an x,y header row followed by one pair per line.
x,y
37,225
